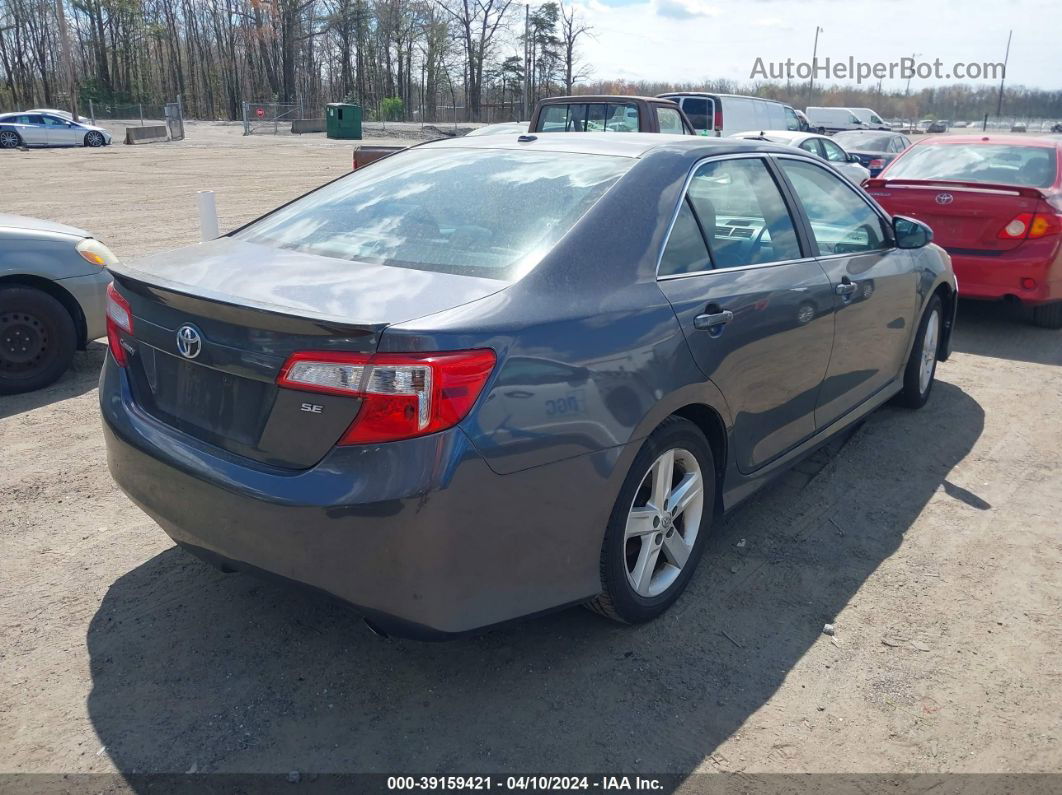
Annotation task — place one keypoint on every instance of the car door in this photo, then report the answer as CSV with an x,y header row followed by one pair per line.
x,y
59,132
873,281
33,132
756,311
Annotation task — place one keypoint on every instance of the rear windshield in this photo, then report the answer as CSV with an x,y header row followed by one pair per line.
x,y
478,212
589,117
864,140
999,164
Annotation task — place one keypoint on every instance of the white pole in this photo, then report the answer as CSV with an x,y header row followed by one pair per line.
x,y
208,216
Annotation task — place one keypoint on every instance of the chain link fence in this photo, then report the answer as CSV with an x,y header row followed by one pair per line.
x,y
270,117
170,114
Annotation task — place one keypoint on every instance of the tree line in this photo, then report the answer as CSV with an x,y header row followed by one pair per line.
x,y
427,60
399,59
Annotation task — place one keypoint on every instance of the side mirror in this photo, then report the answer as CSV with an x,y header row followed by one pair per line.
x,y
911,233
854,159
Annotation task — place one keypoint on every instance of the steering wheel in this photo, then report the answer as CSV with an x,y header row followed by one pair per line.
x,y
757,244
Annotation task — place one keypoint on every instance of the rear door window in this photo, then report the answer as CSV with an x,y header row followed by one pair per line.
x,y
670,120
686,251
834,153
699,110
812,145
742,213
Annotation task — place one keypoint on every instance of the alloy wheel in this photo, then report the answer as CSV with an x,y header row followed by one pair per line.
x,y
929,351
663,522
8,139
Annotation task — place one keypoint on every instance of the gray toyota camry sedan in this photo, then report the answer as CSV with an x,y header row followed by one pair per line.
x,y
487,378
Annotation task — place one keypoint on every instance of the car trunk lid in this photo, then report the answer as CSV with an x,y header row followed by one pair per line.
x,y
214,324
966,217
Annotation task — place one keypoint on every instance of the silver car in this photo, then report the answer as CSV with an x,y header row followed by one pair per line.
x,y
53,286
819,145
48,129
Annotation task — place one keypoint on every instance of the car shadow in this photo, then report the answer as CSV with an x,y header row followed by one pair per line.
x,y
82,375
1002,330
196,670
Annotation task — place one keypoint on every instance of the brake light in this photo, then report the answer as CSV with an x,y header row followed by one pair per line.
x,y
718,120
877,163
119,318
874,182
403,394
1031,225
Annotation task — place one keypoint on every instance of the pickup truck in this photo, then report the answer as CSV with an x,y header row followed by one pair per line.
x,y
591,113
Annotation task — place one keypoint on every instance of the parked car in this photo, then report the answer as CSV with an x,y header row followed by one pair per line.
x,y
44,129
479,381
502,128
923,126
1018,127
818,145
52,286
938,126
609,113
65,114
874,149
831,120
995,204
1056,128
961,125
722,115
871,119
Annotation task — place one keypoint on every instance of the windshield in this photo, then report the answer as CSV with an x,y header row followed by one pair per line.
x,y
478,212
863,140
998,164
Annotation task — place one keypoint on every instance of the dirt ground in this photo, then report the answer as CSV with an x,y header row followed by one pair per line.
x,y
931,540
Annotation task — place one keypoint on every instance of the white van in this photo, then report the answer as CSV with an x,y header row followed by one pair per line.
x,y
831,120
726,114
871,119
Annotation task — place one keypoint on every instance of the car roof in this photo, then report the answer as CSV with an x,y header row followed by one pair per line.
x,y
792,136
987,138
670,94
633,145
597,98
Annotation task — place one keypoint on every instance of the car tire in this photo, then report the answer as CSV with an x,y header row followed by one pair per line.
x,y
94,139
921,369
1048,315
649,553
9,139
37,339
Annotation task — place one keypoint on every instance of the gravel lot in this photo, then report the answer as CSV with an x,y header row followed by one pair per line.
x,y
930,539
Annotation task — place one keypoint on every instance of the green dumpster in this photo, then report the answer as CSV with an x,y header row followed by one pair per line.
x,y
343,120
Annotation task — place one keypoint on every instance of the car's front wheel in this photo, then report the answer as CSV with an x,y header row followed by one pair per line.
x,y
9,139
94,139
656,532
37,339
921,367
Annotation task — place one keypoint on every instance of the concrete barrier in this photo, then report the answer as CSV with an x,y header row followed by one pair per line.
x,y
300,126
146,135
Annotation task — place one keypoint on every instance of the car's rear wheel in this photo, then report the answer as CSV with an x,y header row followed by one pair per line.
x,y
1048,315
37,339
656,532
94,139
921,368
9,139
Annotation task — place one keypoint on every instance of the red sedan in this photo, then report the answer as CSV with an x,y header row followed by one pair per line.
x,y
995,204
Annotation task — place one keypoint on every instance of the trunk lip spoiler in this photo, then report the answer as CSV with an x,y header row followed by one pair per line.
x,y
125,273
962,186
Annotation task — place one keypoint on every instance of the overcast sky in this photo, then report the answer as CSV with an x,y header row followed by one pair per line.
x,y
702,39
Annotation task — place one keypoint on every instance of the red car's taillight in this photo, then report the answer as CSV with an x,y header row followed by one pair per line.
x,y
403,394
119,317
1031,225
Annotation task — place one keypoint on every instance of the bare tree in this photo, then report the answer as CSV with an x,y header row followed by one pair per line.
x,y
571,29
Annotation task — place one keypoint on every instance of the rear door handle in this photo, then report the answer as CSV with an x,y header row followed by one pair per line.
x,y
707,321
846,288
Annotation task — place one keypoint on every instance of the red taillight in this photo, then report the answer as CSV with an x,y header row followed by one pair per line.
x,y
718,121
1031,225
877,163
119,318
874,182
403,394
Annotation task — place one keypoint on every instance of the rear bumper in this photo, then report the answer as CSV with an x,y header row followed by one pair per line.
x,y
988,277
420,535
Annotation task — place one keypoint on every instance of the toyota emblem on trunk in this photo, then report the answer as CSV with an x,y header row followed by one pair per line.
x,y
945,198
189,341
